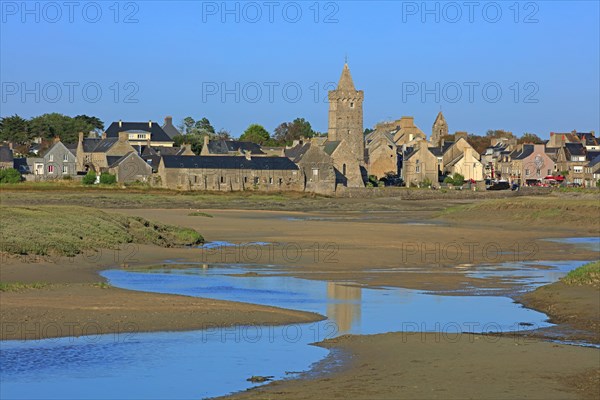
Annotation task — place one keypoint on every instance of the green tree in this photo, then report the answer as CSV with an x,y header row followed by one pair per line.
x,y
367,131
530,138
255,133
93,121
53,125
204,126
15,129
287,132
188,125
223,134
499,133
9,175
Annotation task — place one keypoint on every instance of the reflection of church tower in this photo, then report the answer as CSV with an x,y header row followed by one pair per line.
x,y
346,308
439,130
346,115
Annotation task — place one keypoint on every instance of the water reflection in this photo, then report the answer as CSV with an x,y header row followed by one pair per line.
x,y
344,305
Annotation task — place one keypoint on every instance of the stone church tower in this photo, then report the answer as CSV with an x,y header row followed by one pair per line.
x,y
346,115
439,130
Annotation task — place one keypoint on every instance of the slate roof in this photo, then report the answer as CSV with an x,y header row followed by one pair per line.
x,y
226,146
72,148
20,164
575,149
229,162
157,134
592,154
170,130
330,146
520,154
588,138
297,152
439,151
594,161
6,154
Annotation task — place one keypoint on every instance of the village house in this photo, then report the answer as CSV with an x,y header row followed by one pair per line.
x,y
570,161
93,152
151,155
56,162
139,133
129,168
382,154
528,164
229,173
6,157
419,165
459,157
499,148
316,166
592,172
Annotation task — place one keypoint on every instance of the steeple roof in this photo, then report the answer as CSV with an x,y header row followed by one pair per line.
x,y
345,82
440,118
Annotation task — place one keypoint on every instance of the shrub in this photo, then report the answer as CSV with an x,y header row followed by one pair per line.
x,y
108,179
9,175
456,179
425,183
598,183
89,178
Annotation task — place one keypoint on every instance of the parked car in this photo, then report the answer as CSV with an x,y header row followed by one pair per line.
x,y
502,185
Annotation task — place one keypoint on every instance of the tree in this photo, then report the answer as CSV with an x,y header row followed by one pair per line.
x,y
188,125
57,125
367,131
499,133
223,134
204,126
287,132
530,138
255,133
93,121
9,175
108,179
15,129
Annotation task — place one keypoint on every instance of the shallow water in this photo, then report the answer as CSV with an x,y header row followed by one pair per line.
x,y
214,362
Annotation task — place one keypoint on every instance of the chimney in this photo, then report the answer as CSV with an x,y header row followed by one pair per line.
x,y
10,145
104,135
123,136
56,139
80,137
247,154
168,120
150,124
206,140
120,124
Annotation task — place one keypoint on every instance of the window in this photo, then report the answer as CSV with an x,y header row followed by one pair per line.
x,y
280,181
578,169
51,157
256,180
65,157
418,169
50,169
527,172
222,179
271,181
344,169
538,172
245,179
195,178
65,169
352,105
549,172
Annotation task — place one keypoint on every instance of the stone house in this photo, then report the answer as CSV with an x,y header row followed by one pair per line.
x,y
527,164
139,133
92,152
151,155
56,162
407,133
129,168
592,172
571,159
348,170
316,167
382,154
6,157
467,164
229,173
419,164
493,155
459,157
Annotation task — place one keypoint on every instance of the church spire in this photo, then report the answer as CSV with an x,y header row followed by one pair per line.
x,y
346,82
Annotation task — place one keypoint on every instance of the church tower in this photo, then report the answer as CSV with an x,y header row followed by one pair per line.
x,y
346,115
439,130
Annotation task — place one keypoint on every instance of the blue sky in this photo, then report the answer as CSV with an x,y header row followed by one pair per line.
x,y
533,67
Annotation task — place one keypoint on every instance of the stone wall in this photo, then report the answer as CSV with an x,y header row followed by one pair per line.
x,y
428,194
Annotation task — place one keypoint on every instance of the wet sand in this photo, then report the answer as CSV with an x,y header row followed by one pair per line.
x,y
424,366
